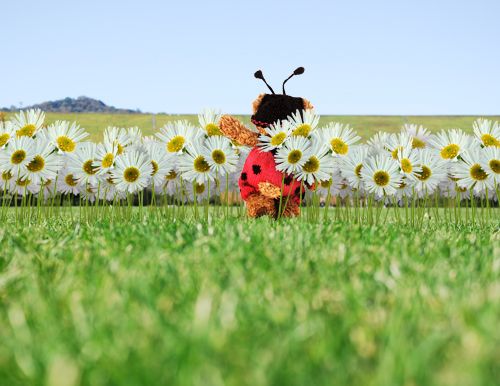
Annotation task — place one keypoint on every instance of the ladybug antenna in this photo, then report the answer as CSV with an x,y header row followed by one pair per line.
x,y
259,75
298,71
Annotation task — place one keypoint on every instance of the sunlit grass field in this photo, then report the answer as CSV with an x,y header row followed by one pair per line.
x,y
248,302
366,126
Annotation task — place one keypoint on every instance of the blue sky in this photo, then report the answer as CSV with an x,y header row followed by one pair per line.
x,y
361,57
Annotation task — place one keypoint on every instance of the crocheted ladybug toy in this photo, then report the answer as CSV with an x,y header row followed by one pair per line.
x,y
260,183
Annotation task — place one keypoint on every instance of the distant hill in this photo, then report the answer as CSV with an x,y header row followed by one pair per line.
x,y
81,104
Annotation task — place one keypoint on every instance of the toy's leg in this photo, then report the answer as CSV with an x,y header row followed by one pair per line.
x,y
258,205
292,209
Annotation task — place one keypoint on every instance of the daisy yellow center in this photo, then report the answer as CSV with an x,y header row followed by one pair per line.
x,y
175,144
394,153
402,185
489,140
154,164
200,165
108,160
294,156
88,168
425,174
26,131
357,170
171,176
219,157
312,165
339,146
477,173
70,181
406,165
18,156
417,143
461,189
381,178
326,183
65,144
450,151
212,129
495,165
37,164
119,149
4,138
303,130
22,182
6,176
131,174
199,188
277,139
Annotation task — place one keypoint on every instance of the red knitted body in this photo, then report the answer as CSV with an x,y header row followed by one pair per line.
x,y
261,167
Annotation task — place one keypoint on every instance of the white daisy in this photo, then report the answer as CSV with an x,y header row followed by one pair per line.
x,y
452,143
487,133
209,121
177,135
420,136
331,185
433,171
67,183
132,171
303,122
65,136
107,190
162,162
81,163
6,132
277,134
405,189
220,155
6,179
17,155
339,137
377,143
134,135
22,186
199,191
293,155
352,164
194,166
490,162
470,174
397,142
45,163
27,123
319,166
117,136
381,176
408,158
105,156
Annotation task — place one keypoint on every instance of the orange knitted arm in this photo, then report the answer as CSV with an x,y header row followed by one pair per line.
x,y
235,130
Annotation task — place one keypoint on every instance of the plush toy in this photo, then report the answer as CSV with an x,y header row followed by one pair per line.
x,y
261,185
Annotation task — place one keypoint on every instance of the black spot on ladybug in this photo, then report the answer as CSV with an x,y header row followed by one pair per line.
x,y
256,169
288,180
297,190
244,176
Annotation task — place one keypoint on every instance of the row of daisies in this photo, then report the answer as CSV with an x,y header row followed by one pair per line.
x,y
193,161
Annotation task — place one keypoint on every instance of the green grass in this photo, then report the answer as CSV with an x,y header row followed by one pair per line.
x,y
365,125
248,302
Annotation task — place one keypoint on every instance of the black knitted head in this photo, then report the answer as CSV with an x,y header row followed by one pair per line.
x,y
275,107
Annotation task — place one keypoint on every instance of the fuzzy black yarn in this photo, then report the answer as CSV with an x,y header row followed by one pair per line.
x,y
275,107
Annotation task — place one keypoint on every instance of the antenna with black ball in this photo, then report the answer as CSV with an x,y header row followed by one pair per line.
x,y
298,71
259,75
